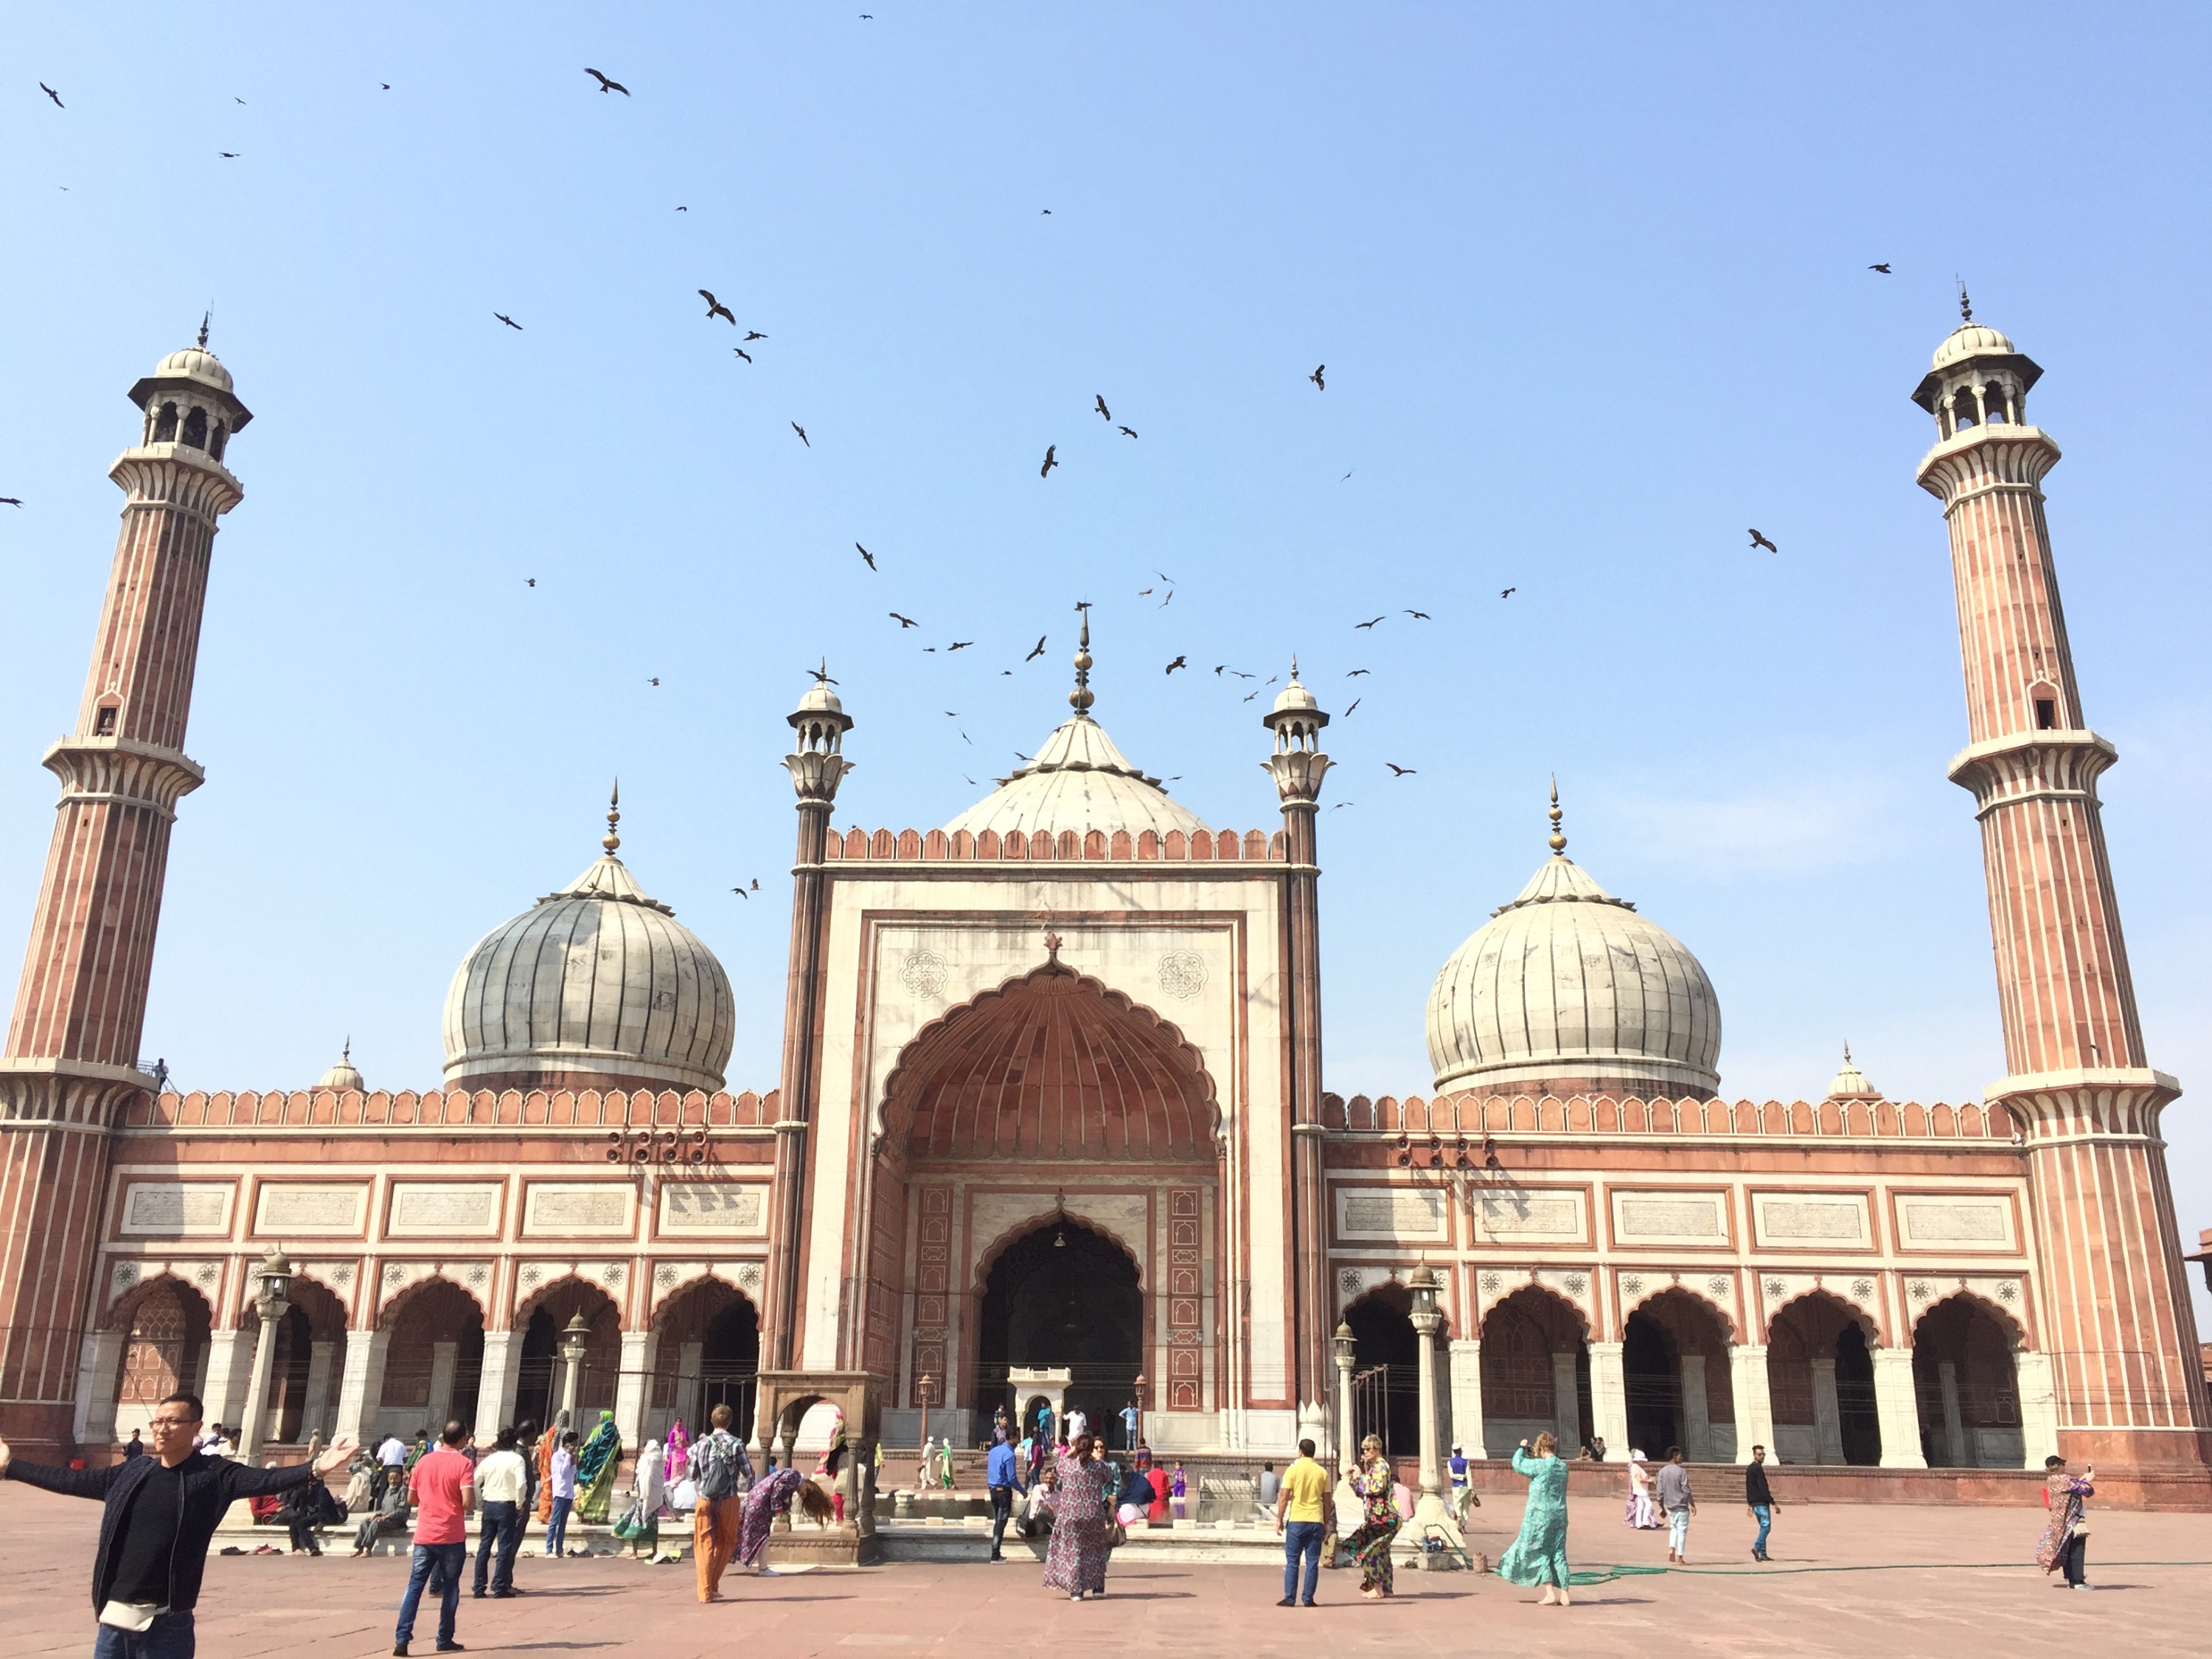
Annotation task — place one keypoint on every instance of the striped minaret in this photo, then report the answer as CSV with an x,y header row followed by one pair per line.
x,y
71,1061
2115,1316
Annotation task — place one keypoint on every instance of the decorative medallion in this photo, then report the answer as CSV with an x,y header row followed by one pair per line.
x,y
342,1273
393,1273
749,1277
532,1274
2008,1291
126,1275
1576,1284
1775,1287
1632,1286
1863,1288
478,1274
1491,1281
614,1273
1718,1283
1921,1290
1183,974
924,975
207,1272
1347,1282
664,1276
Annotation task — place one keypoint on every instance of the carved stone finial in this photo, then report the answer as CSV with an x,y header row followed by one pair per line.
x,y
1557,842
614,817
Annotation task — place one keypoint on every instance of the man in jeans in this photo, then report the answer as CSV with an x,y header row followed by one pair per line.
x,y
161,1514
1758,1501
500,1488
1299,1511
1005,1475
1675,1498
445,1486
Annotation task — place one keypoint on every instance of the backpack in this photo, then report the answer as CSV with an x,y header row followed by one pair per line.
x,y
717,1470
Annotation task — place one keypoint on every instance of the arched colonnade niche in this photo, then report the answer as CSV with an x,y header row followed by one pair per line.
x,y
1386,1360
163,1326
1820,1382
707,1354
433,1360
309,1363
1967,1384
1675,1368
541,1384
1062,1295
1535,1373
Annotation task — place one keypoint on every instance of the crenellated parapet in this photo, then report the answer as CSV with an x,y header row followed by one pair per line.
x,y
1065,847
1448,1128
502,1112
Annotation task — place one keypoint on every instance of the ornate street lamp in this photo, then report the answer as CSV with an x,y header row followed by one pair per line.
x,y
272,1279
576,1335
924,1386
1347,1443
1431,1509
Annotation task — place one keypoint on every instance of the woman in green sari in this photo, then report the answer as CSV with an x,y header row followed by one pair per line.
x,y
1539,1554
595,1469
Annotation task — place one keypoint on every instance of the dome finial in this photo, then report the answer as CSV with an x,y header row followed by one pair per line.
x,y
614,817
1966,305
1081,699
206,317
1559,842
346,1053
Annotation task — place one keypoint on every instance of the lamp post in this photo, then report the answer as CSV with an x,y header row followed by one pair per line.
x,y
1347,1445
1137,1399
273,1300
924,1385
574,1336
1430,1511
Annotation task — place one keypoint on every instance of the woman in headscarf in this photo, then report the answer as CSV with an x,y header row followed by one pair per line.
x,y
641,1522
1076,1560
546,1448
1642,1512
679,1447
595,1469
772,1495
1539,1553
1374,1484
2065,1539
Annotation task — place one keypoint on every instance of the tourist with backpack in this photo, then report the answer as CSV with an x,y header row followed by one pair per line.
x,y
716,1464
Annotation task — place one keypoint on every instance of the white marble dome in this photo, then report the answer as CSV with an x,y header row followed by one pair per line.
x,y
1079,780
1568,982
1971,340
598,981
195,364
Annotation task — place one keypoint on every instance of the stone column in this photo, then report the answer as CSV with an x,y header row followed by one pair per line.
x,y
1896,1405
1431,1510
253,1421
1955,1423
1566,1404
1347,1433
1697,1423
497,1382
1609,1396
361,1390
1467,1394
102,1359
634,1387
1754,1400
223,1393
692,1389
2038,1407
315,1403
445,1358
1828,1414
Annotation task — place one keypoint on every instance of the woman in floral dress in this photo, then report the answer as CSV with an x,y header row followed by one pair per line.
x,y
1374,1484
1539,1554
1076,1560
2065,1539
772,1495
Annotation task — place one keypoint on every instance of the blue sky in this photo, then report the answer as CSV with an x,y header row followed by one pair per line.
x,y
1591,287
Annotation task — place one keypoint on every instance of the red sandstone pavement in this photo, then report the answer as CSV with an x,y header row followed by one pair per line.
x,y
1845,1580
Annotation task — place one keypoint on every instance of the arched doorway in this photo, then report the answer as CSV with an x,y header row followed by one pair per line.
x,y
1535,1373
435,1360
540,1387
308,1363
164,1349
1062,1295
1675,1366
709,1355
1386,1370
1820,1381
1964,1379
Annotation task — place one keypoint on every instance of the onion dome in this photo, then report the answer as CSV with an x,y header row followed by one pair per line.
x,y
1851,1083
1079,780
342,1075
1971,340
195,371
597,985
1568,989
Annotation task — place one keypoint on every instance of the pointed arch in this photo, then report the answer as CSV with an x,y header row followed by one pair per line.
x,y
1659,1286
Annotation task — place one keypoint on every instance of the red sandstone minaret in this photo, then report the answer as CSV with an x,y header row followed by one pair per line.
x,y
72,1056
2115,1316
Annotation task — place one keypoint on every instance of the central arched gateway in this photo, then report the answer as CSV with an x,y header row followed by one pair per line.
x,y
1045,1192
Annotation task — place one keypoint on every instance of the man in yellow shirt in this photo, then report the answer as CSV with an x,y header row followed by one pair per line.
x,y
1303,1503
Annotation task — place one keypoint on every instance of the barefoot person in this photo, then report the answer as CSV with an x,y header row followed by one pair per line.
x,y
1374,1484
1539,1553
162,1511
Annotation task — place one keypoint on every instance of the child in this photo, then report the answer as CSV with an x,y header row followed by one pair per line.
x,y
1178,1486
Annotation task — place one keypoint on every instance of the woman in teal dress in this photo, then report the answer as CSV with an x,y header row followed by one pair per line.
x,y
595,1469
1539,1555
1373,1484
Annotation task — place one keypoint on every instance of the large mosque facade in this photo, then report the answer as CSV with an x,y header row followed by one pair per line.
x,y
1051,1096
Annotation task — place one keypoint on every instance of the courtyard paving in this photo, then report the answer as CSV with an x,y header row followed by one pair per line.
x,y
1845,1580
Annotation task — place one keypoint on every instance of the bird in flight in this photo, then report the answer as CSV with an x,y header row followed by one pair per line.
x,y
1177,664
1356,626
1316,377
530,581
752,334
821,674
680,208
1099,397
716,308
1046,211
903,622
51,93
655,680
1884,269
1247,696
743,353
1507,592
1355,673
959,645
741,893
1039,652
606,85
227,154
801,431
1758,540
1340,806
11,500
1045,472
1398,770
1346,478
386,85
508,320
1142,591
869,557
1355,703
1421,616
1127,432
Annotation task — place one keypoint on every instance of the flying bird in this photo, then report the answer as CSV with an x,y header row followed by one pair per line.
x,y
508,320
1507,592
1241,674
741,893
1099,397
1346,478
1127,432
1758,540
11,500
1356,672
1142,591
1340,806
903,622
1400,771
1247,696
869,557
743,353
1167,601
655,680
821,674
530,581
1177,664
1355,703
1046,211
752,334
1039,652
716,308
680,208
606,85
801,431
386,85
1045,472
51,93
959,645
1356,626
1884,269
227,154
1421,616
1316,377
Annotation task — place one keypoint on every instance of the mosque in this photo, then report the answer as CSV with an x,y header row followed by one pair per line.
x,y
1051,1096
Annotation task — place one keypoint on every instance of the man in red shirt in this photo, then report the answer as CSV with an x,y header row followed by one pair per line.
x,y
445,1491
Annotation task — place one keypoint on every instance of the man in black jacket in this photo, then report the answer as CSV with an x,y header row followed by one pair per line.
x,y
162,1511
1759,1500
